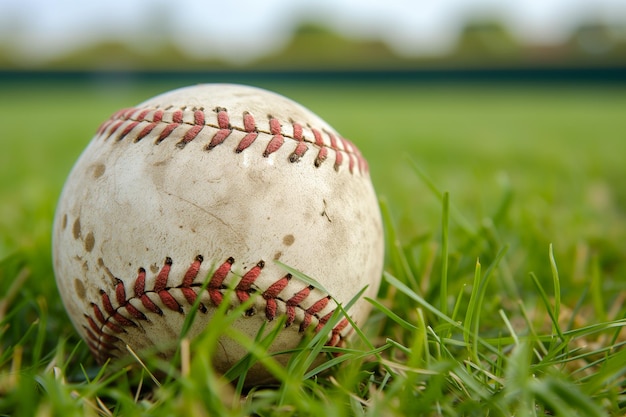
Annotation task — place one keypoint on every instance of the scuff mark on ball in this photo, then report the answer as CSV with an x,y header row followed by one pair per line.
x,y
90,242
76,228
79,288
288,240
98,170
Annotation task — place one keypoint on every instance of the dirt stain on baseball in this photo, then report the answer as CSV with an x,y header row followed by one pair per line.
x,y
90,242
76,228
161,163
98,170
288,240
107,271
79,288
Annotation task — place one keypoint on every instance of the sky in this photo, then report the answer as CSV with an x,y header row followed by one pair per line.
x,y
242,30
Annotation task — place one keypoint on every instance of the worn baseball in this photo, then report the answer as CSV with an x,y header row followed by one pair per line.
x,y
214,184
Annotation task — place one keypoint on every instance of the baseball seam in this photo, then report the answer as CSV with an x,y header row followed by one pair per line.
x,y
107,321
142,122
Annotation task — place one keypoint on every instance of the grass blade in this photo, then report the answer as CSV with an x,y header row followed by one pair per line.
x,y
443,285
557,290
390,314
546,301
472,308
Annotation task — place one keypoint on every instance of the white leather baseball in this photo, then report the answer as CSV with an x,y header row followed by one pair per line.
x,y
214,181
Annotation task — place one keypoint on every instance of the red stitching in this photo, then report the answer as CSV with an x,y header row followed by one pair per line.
x,y
277,140
198,117
116,126
224,124
193,121
245,285
271,294
107,320
323,153
301,148
250,127
217,281
293,302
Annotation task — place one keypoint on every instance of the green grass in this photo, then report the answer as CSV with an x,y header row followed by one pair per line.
x,y
503,292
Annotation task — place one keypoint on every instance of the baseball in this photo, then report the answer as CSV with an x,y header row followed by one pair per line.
x,y
214,184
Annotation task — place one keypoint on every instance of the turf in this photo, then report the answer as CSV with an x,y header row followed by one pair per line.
x,y
503,292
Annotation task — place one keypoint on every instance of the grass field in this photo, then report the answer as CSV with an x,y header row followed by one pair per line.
x,y
504,282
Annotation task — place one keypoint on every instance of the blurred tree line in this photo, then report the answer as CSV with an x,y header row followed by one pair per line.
x,y
481,45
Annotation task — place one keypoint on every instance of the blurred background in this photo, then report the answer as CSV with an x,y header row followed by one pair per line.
x,y
510,105
517,108
418,38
